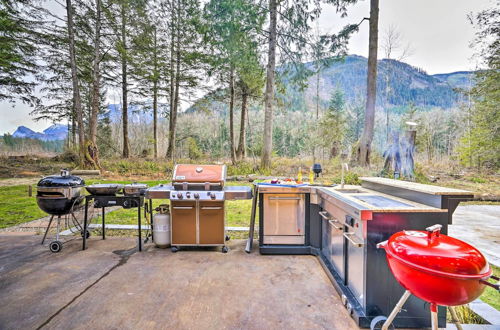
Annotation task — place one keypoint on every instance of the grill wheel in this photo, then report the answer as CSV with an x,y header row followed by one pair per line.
x,y
55,246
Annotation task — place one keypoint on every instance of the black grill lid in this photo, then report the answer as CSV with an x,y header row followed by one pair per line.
x,y
63,180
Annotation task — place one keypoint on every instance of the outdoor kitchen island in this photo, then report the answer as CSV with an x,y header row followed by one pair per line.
x,y
342,226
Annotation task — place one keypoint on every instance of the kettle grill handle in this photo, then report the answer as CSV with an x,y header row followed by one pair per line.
x,y
495,286
433,231
382,245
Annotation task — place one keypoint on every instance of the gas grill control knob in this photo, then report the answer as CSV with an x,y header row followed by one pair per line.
x,y
188,195
179,195
212,195
196,195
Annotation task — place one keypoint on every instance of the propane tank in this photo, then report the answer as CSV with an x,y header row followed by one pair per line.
x,y
161,227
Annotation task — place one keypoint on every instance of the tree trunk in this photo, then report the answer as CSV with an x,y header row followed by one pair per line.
x,y
171,126
364,145
269,93
96,81
126,147
155,118
94,106
318,70
173,114
231,116
73,129
241,152
77,102
155,98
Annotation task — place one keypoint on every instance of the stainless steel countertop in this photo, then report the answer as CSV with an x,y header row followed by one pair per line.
x,y
354,198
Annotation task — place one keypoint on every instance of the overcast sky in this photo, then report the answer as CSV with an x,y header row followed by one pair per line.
x,y
437,31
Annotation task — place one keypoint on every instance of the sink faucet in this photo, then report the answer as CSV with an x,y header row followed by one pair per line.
x,y
342,181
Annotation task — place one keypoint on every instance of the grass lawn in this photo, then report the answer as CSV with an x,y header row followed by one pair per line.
x,y
16,207
490,295
237,212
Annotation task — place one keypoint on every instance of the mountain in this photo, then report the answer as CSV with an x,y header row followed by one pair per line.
x,y
399,85
137,112
459,79
55,132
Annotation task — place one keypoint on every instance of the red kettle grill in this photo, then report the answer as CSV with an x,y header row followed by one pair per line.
x,y
437,268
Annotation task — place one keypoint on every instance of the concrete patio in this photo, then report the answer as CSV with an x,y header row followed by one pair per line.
x,y
111,286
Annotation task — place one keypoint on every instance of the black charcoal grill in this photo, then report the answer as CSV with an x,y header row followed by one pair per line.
x,y
60,195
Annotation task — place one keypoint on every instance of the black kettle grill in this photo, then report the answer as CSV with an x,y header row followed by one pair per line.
x,y
59,195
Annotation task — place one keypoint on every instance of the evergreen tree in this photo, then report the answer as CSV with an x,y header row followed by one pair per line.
x,y
482,146
22,26
231,30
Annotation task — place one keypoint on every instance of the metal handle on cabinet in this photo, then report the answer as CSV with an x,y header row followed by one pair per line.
x,y
211,207
182,207
333,224
323,214
353,242
285,198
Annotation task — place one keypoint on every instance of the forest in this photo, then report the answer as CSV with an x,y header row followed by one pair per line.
x,y
229,80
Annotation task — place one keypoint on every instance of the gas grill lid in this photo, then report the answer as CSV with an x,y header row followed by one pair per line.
x,y
190,173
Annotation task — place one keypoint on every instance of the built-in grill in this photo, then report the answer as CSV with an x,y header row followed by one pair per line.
x,y
197,200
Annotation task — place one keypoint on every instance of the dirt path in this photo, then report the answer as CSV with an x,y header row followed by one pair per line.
x,y
18,181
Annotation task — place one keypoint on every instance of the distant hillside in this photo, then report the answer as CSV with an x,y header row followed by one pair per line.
x,y
56,132
459,79
398,85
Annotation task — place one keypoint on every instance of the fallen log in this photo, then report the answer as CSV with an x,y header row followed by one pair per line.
x,y
86,172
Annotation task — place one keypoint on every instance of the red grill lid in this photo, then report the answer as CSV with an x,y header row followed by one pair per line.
x,y
436,252
199,173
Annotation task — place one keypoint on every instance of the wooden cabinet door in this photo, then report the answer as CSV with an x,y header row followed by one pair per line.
x,y
183,223
211,222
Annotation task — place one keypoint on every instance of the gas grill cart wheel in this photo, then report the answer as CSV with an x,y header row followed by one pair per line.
x,y
378,322
174,249
55,246
225,249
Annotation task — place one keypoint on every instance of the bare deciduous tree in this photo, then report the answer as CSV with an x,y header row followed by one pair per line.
x,y
364,145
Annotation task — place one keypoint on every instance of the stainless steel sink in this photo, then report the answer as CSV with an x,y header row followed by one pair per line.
x,y
349,191
381,201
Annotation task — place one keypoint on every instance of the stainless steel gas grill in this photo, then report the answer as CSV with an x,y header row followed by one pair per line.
x,y
197,201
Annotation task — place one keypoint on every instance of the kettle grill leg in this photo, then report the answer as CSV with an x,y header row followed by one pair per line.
x,y
47,230
58,227
396,309
454,317
434,316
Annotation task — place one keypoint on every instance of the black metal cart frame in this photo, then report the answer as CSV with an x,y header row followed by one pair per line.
x,y
105,201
